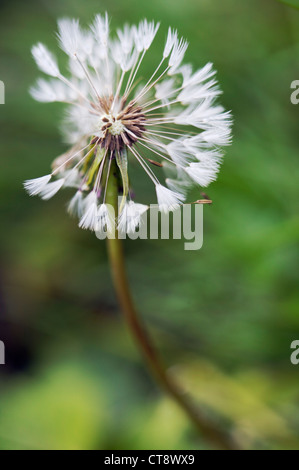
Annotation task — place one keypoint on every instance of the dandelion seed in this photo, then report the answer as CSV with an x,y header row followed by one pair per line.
x,y
36,186
88,220
105,220
45,60
168,200
130,218
75,206
51,189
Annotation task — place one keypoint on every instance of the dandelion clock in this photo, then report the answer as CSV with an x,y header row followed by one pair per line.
x,y
169,123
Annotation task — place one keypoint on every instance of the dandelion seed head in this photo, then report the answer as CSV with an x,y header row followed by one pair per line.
x,y
170,123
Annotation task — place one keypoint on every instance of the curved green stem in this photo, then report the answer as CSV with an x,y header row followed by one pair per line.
x,y
207,429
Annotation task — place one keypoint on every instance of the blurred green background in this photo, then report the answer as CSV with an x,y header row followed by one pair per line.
x,y
224,317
